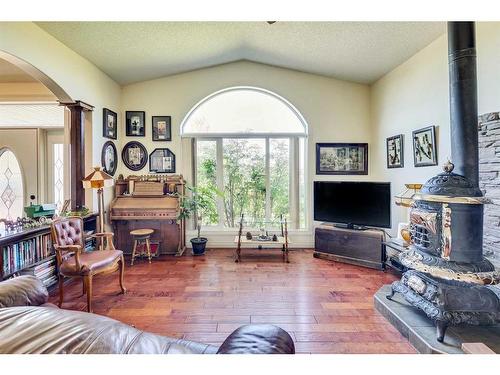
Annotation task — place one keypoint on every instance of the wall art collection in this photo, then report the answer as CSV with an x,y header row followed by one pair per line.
x,y
134,154
424,148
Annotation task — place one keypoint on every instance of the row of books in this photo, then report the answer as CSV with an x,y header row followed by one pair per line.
x,y
20,255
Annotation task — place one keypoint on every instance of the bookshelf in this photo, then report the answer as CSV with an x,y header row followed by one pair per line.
x,y
30,252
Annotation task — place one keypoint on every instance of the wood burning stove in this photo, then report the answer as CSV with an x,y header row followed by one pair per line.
x,y
448,277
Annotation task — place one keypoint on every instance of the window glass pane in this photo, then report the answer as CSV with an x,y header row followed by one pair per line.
x,y
11,186
279,177
206,178
243,111
244,181
58,175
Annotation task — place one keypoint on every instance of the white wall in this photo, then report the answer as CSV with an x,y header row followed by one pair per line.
x,y
336,111
412,96
415,95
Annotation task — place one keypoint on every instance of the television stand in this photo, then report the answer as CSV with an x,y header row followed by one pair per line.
x,y
359,247
349,226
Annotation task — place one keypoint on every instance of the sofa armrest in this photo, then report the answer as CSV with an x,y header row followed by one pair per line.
x,y
23,291
258,339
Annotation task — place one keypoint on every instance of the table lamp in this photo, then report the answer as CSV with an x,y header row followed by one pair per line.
x,y
405,198
98,180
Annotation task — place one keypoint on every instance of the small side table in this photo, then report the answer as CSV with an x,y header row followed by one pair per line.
x,y
281,240
141,235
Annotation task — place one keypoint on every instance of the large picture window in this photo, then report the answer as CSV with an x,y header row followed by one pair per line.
x,y
249,145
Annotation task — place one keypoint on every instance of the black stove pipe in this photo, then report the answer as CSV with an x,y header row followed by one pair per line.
x,y
463,99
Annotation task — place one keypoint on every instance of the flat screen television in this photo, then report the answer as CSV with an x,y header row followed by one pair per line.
x,y
353,204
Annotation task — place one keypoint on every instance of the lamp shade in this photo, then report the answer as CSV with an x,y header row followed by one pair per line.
x,y
98,179
405,198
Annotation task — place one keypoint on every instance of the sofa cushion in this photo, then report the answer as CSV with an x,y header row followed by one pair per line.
x,y
258,339
23,291
26,330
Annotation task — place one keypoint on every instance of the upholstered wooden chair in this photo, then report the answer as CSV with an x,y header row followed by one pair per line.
x,y
72,261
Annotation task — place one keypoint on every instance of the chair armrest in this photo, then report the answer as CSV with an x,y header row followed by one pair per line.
x,y
70,248
23,291
104,235
258,339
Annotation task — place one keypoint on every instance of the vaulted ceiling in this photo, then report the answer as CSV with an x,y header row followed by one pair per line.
x,y
136,51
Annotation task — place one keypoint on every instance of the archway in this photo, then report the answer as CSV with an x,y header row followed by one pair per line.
x,y
75,124
57,90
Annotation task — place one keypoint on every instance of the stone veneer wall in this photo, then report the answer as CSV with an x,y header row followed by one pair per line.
x,y
489,182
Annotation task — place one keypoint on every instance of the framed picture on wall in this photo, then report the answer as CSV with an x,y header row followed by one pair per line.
x,y
162,130
135,123
109,158
395,151
162,160
341,158
134,155
424,147
109,124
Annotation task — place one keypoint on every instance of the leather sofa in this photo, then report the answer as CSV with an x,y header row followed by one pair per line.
x,y
28,324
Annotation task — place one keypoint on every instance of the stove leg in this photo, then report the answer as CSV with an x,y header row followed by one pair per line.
x,y
390,295
441,329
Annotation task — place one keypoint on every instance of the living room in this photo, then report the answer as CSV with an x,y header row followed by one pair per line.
x,y
293,187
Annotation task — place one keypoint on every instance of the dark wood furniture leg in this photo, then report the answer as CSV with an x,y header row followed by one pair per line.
x,y
88,282
122,272
61,291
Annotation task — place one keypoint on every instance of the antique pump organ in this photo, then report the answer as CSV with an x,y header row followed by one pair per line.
x,y
149,202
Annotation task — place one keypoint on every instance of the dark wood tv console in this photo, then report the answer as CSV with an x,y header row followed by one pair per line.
x,y
359,247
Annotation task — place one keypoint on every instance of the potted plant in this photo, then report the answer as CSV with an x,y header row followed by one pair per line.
x,y
192,206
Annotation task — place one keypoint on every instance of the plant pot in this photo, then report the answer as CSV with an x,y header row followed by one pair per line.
x,y
199,245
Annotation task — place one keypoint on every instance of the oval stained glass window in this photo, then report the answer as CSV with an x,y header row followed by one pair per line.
x,y
11,186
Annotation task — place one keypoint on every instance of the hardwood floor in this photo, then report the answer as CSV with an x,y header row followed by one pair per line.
x,y
327,307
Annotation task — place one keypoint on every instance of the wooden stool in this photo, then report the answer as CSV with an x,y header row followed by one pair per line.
x,y
141,235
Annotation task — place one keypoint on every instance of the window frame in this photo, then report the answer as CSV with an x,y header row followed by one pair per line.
x,y
298,149
293,185
23,180
281,99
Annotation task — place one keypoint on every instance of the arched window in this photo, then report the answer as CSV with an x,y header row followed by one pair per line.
x,y
250,145
243,111
11,186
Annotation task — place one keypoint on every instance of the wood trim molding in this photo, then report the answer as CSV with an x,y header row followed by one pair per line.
x,y
77,151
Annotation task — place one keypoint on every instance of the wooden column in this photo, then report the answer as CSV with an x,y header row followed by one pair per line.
x,y
77,151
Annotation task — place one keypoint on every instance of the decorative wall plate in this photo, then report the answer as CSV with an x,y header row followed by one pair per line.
x,y
134,155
